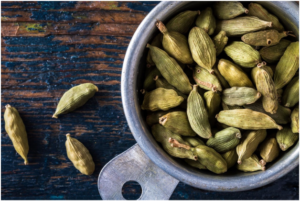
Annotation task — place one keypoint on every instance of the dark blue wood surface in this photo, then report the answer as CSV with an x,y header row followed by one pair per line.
x,y
48,47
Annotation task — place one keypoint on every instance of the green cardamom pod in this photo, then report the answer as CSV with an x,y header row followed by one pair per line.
x,y
195,164
182,22
157,42
74,98
252,164
193,141
213,104
161,99
249,143
153,117
269,149
287,65
260,66
241,25
295,120
178,123
163,83
243,54
234,75
229,107
202,48
280,117
220,41
225,140
206,21
206,80
225,10
211,159
240,96
264,38
175,44
286,138
258,11
221,79
172,143
149,82
247,119
197,114
170,69
273,53
291,93
230,157
16,131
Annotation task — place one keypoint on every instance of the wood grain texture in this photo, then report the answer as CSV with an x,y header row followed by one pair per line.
x,y
48,47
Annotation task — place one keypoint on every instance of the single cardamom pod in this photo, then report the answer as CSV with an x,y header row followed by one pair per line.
x,y
258,11
295,120
16,131
291,93
229,107
252,164
261,65
249,143
213,103
202,48
172,143
269,149
205,80
153,117
170,69
270,105
206,21
286,138
280,117
230,157
225,140
225,10
287,65
178,123
149,82
193,141
234,75
220,41
80,156
157,42
241,25
243,54
74,98
195,164
273,53
175,44
182,22
197,114
221,79
240,96
163,83
161,99
247,119
211,159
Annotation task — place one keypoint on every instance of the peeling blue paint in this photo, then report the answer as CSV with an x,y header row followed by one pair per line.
x,y
52,16
56,5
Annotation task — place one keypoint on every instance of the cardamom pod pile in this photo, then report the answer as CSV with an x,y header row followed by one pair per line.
x,y
219,84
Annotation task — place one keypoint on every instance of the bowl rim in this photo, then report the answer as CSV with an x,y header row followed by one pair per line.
x,y
129,93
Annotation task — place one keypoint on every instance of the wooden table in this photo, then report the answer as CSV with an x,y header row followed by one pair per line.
x,y
48,47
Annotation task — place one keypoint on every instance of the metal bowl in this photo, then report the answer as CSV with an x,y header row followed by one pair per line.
x,y
132,74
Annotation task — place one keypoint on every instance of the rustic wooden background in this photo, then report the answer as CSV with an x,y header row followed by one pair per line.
x,y
48,47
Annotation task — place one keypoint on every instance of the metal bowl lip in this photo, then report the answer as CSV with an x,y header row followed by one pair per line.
x,y
156,154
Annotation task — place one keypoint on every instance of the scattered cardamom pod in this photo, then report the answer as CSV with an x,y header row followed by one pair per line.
x,y
295,120
261,65
157,42
170,69
163,83
193,141
241,25
247,119
287,65
252,164
225,140
286,138
74,98
161,99
206,21
225,10
213,104
291,93
220,41
243,54
258,11
153,117
221,79
234,75
230,157
229,107
197,114
182,22
202,48
269,149
240,96
273,53
16,131
175,44
249,143
80,156
149,82
195,164
206,80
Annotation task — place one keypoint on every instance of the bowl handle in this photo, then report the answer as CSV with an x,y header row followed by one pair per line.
x,y
134,165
